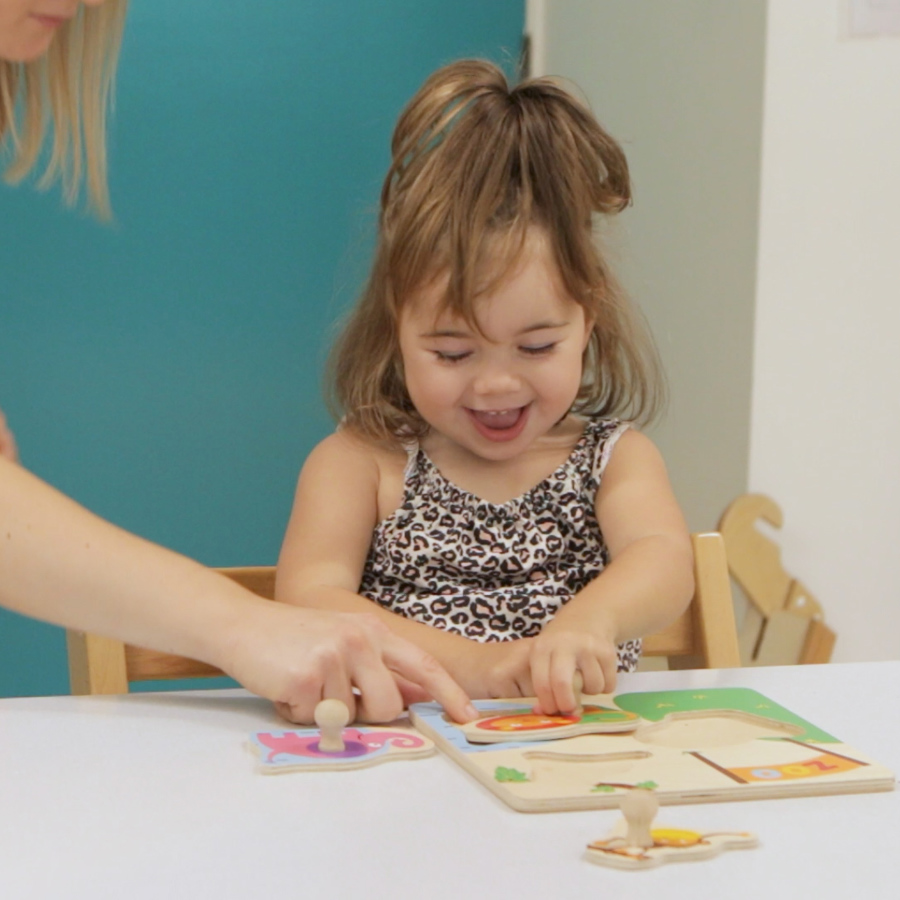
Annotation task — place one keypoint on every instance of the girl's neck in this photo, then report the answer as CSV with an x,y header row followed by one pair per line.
x,y
499,481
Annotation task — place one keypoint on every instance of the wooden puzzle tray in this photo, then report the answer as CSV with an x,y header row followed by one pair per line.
x,y
689,746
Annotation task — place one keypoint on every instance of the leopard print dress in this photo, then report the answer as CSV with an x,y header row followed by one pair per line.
x,y
494,572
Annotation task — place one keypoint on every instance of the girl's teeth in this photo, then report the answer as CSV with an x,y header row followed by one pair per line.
x,y
497,418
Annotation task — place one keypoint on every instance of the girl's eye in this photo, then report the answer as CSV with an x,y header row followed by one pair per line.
x,y
457,356
540,350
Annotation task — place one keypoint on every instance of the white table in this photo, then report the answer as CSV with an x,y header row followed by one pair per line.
x,y
154,795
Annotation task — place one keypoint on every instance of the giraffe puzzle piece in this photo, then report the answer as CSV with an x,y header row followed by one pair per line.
x,y
634,842
333,746
518,723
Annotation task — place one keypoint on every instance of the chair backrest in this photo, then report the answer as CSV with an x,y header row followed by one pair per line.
x,y
784,623
705,635
101,665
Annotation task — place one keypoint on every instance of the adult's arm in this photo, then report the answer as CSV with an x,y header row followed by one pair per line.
x,y
62,564
7,441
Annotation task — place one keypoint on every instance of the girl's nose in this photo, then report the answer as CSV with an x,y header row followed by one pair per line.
x,y
496,380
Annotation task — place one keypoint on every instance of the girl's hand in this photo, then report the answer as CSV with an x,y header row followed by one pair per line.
x,y
559,652
502,669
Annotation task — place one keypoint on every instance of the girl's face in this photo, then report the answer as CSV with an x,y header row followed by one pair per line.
x,y
496,393
27,27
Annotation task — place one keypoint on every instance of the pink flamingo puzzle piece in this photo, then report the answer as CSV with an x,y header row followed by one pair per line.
x,y
298,749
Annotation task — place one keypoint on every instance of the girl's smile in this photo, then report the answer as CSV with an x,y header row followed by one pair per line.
x,y
500,424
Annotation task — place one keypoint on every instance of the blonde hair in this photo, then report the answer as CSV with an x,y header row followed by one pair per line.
x,y
74,81
476,165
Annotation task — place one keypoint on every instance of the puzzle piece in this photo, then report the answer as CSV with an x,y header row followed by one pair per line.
x,y
336,747
635,843
521,723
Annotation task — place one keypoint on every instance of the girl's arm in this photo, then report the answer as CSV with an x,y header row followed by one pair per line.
x,y
324,552
647,584
60,563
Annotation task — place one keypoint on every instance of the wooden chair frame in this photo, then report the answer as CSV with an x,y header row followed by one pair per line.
x,y
703,637
784,623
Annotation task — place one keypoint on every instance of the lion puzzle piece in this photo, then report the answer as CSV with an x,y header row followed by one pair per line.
x,y
333,746
635,844
519,723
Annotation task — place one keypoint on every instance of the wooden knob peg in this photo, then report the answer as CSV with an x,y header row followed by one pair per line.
x,y
639,808
331,716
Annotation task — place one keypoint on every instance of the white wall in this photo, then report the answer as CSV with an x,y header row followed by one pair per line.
x,y
820,425
825,432
666,80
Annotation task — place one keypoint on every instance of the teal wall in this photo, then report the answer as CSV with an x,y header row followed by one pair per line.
x,y
164,370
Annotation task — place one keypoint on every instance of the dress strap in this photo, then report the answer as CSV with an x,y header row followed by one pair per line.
x,y
412,455
608,432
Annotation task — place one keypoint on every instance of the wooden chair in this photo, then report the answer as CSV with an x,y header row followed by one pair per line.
x,y
784,623
102,665
703,637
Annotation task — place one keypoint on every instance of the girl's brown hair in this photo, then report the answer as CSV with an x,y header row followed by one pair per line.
x,y
476,164
72,86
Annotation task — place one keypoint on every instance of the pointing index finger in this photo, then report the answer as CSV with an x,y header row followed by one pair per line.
x,y
423,669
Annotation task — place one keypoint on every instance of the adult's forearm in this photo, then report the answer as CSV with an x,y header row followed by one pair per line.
x,y
61,563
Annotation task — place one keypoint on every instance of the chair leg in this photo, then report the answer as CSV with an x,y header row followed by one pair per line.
x,y
96,664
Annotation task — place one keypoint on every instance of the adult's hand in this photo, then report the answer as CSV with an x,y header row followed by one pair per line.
x,y
297,657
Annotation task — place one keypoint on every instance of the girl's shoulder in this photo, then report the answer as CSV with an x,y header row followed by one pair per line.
x,y
351,451
612,439
629,452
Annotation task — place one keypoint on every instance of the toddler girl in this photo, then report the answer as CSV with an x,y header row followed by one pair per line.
x,y
484,494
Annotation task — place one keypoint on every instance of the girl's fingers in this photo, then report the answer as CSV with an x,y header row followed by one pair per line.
x,y
592,677
524,685
562,675
553,675
540,681
610,666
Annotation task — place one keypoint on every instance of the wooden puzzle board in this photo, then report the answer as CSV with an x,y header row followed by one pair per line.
x,y
692,746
